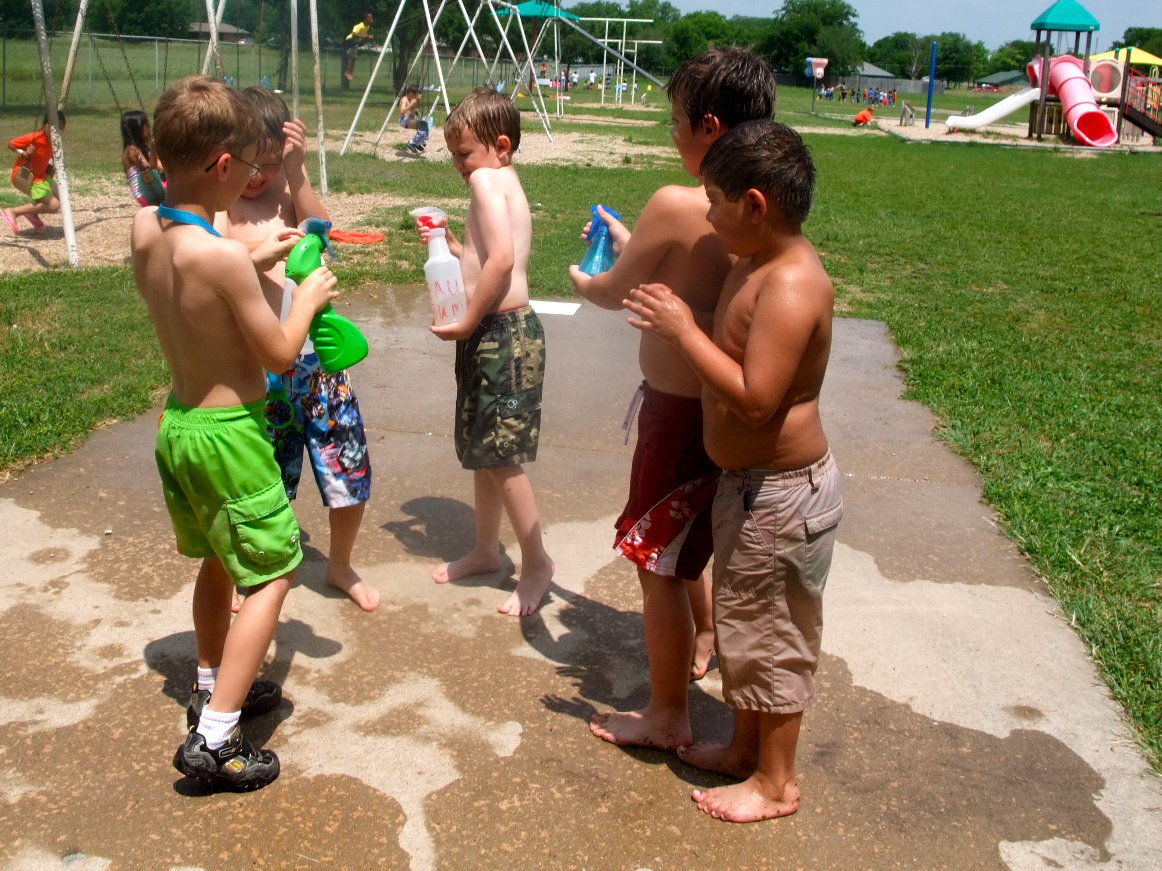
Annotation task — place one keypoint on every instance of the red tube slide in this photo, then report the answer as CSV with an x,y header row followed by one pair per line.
x,y
1067,80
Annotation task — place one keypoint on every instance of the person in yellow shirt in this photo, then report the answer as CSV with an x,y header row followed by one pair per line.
x,y
360,34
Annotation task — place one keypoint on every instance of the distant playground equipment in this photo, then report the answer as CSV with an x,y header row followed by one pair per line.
x,y
1091,96
816,69
521,65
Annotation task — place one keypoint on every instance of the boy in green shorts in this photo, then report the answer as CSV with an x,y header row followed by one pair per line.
x,y
221,484
34,150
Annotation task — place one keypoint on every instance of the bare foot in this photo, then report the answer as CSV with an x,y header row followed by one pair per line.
x,y
471,564
640,729
363,594
530,589
235,602
723,758
750,801
703,653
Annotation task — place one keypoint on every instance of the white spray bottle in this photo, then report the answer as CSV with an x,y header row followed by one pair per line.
x,y
442,271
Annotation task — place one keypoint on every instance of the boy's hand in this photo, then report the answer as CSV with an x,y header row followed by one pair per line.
x,y
275,248
294,150
659,310
429,223
317,289
579,279
462,329
618,231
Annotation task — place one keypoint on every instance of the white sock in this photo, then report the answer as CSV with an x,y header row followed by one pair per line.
x,y
216,726
207,678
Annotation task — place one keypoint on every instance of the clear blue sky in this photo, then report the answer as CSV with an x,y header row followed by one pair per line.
x,y
992,22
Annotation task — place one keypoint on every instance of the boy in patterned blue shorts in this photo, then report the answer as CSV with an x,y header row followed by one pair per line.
x,y
306,407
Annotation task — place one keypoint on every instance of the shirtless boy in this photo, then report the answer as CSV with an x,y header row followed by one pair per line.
x,y
324,415
673,243
778,503
500,347
219,478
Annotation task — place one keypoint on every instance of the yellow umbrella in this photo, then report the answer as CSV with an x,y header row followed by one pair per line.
x,y
1139,57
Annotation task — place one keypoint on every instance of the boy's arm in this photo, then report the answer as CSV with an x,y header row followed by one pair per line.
x,y
641,256
294,156
275,345
496,250
455,246
779,330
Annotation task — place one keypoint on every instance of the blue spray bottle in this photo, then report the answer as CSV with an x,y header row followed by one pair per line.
x,y
600,255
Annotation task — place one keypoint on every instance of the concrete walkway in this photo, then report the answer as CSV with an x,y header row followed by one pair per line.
x,y
960,724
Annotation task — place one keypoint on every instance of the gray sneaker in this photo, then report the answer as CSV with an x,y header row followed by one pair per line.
x,y
264,695
236,764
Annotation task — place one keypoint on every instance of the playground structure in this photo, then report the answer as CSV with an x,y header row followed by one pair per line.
x,y
520,65
1091,97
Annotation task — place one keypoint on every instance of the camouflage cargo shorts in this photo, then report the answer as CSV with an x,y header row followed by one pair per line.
x,y
500,370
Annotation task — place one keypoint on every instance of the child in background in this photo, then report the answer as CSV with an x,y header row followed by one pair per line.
x,y
142,170
500,347
664,528
779,499
221,484
324,414
34,150
410,118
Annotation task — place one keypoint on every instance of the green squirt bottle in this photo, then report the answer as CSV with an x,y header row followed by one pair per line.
x,y
338,342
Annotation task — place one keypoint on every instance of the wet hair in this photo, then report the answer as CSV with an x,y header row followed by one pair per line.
x,y
769,157
199,117
273,111
488,114
732,84
133,124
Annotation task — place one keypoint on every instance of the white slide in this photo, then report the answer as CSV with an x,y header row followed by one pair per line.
x,y
995,112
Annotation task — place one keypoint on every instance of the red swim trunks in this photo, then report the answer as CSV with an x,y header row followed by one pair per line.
x,y
665,526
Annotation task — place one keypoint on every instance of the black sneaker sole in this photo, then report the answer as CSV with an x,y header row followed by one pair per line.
x,y
235,774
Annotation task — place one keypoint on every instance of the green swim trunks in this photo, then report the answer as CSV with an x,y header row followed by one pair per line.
x,y
224,491
500,371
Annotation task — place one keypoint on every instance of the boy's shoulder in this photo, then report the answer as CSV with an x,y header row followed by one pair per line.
x,y
499,181
676,201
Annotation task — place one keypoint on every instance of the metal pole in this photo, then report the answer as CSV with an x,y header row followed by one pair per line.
x,y
74,47
60,175
294,57
322,130
436,50
931,87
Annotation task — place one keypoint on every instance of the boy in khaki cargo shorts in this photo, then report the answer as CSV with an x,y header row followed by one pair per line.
x,y
778,503
219,477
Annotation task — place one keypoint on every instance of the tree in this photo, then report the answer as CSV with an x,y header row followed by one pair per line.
x,y
814,28
696,32
1010,56
904,55
1147,38
956,57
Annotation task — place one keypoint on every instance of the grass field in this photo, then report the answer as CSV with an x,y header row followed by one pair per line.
x,y
1021,286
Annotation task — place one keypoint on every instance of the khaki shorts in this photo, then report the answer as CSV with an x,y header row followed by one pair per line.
x,y
774,532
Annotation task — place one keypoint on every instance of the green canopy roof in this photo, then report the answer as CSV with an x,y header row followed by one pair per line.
x,y
1066,15
540,9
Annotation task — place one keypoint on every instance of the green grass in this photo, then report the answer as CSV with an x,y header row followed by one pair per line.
x,y
1020,285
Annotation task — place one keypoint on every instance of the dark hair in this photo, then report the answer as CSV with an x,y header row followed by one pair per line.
x,y
60,116
199,117
133,124
273,111
769,157
732,84
488,114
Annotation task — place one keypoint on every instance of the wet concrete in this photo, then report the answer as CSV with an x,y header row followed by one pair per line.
x,y
959,725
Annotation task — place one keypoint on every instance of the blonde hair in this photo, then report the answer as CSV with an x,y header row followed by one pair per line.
x,y
199,117
488,114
